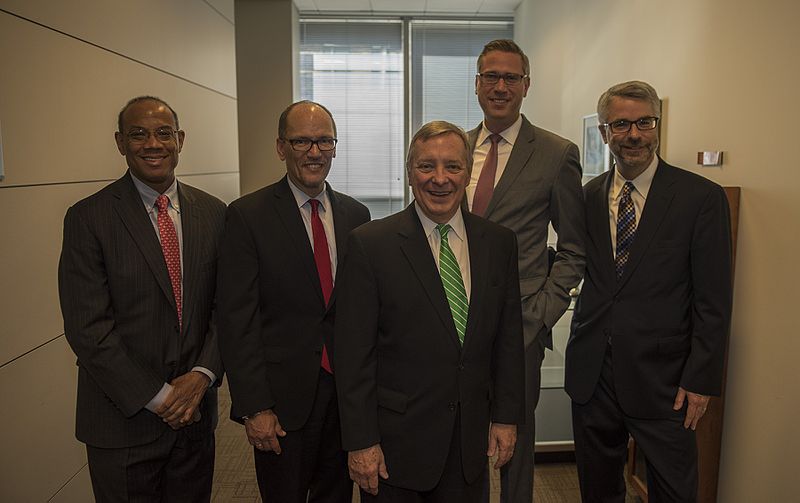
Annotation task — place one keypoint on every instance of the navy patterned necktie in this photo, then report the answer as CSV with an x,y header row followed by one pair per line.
x,y
626,228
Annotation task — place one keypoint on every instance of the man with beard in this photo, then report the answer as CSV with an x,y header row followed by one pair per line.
x,y
648,336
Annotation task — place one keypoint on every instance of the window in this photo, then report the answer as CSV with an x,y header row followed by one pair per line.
x,y
356,69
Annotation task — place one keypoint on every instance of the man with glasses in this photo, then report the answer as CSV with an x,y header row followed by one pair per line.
x,y
526,178
136,283
648,338
277,269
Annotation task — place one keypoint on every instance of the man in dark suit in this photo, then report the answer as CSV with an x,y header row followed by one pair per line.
x,y
526,178
136,281
278,261
429,338
649,332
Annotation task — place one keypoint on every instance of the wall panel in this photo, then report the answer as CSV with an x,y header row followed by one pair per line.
x,y
187,38
39,451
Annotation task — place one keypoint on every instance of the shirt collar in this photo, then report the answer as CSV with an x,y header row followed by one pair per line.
x,y
641,183
302,198
509,135
149,194
429,226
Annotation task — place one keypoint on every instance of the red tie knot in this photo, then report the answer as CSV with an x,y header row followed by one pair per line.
x,y
162,202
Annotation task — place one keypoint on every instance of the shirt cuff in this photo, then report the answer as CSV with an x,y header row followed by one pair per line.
x,y
207,373
157,400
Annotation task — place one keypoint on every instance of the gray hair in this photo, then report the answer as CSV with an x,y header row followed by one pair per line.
x,y
438,128
635,90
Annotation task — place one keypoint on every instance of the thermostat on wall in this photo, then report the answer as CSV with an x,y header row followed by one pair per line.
x,y
709,158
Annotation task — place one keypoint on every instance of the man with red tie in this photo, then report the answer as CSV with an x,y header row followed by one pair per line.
x,y
276,296
136,282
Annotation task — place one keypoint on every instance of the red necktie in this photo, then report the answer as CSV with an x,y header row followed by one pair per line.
x,y
171,250
323,260
483,192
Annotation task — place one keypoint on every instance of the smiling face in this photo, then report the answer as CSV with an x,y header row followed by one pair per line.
x,y
152,161
633,151
307,170
438,175
501,102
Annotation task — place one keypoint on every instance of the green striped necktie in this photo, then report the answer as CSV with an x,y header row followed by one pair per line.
x,y
453,283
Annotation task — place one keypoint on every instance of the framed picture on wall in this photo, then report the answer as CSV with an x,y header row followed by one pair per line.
x,y
595,156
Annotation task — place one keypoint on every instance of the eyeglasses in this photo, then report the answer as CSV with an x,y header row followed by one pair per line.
x,y
492,78
162,134
305,144
623,126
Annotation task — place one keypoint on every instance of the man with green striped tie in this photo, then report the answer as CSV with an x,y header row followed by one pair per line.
x,y
428,342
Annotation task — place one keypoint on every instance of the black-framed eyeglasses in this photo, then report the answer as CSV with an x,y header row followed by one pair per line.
x,y
140,135
623,126
305,144
492,78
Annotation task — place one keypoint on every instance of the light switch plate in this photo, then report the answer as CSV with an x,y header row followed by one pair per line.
x,y
709,158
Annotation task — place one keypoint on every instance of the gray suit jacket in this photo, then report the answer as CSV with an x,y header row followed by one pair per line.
x,y
541,184
119,311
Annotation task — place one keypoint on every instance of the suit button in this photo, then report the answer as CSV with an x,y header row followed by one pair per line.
x,y
177,329
451,406
460,366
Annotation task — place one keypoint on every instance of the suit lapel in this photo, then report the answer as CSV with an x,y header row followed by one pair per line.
x,y
520,154
192,233
131,211
479,269
286,205
415,247
597,218
658,200
341,226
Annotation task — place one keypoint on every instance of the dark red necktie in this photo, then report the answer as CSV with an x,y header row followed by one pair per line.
x,y
171,251
485,187
323,260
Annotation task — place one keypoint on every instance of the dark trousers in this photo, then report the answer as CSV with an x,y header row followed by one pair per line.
x,y
601,432
173,468
312,466
516,477
451,488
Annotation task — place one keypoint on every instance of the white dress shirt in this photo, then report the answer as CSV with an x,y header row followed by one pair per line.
x,y
325,214
482,146
456,238
149,196
641,186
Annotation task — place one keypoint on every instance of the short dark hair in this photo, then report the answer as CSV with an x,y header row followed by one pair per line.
x,y
437,128
633,89
145,98
505,45
282,122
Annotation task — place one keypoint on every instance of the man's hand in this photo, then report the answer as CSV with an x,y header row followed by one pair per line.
x,y
694,410
180,406
502,439
365,465
263,430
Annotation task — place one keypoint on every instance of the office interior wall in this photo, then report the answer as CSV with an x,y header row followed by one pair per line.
x,y
67,69
267,56
728,73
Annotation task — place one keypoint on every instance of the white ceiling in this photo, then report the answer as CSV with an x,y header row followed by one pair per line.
x,y
429,7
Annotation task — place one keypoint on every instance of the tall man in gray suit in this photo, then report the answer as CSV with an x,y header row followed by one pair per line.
x,y
136,282
525,178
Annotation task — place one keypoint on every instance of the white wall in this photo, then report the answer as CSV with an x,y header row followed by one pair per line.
x,y
67,69
728,71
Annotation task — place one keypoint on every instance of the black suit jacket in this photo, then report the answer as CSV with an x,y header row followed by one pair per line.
x,y
401,372
120,316
668,316
272,315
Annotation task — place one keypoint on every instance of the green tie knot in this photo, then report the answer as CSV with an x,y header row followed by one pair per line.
x,y
443,230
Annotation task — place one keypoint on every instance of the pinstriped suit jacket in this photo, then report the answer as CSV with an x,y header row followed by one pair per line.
x,y
119,310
